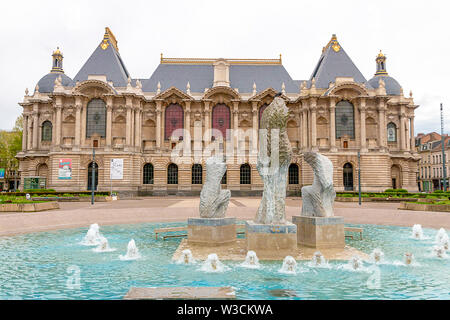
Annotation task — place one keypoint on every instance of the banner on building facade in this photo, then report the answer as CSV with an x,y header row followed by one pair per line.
x,y
2,173
65,169
116,169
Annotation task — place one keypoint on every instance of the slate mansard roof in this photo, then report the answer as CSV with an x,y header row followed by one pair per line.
x,y
264,73
201,76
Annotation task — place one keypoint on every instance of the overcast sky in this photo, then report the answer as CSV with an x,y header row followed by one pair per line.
x,y
414,35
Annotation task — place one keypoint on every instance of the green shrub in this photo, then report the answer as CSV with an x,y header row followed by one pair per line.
x,y
438,191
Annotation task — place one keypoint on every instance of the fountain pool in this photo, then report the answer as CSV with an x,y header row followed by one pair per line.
x,y
46,265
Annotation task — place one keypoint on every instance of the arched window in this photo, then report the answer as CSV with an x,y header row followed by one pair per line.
x,y
197,174
148,173
391,132
224,178
96,118
92,167
245,173
348,177
172,174
46,131
221,119
345,120
293,173
261,110
173,120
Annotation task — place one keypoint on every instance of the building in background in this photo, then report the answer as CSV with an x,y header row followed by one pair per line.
x,y
141,121
430,175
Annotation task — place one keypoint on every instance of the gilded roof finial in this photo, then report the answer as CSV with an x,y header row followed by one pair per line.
x,y
280,58
161,58
109,36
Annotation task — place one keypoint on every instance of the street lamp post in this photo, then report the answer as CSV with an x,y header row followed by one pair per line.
x,y
444,173
93,176
359,177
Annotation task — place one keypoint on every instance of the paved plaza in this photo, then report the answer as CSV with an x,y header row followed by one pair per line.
x,y
172,209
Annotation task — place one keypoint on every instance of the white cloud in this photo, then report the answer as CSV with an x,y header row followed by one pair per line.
x,y
413,35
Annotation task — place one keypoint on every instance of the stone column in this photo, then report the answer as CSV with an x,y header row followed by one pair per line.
x,y
109,107
305,127
236,123
158,125
382,129
83,122
333,125
313,124
407,133
24,132
187,128
402,130
35,126
129,106
30,132
207,133
362,113
413,140
77,121
255,127
137,124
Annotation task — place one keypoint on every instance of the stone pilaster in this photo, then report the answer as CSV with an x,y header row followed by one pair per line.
x,y
413,142
382,142
255,127
402,130
313,110
158,125
187,127
35,115
78,107
207,112
137,125
24,132
236,123
333,125
129,107
109,107
362,113
29,132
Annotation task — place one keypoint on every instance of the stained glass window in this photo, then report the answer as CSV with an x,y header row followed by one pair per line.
x,y
174,120
391,132
46,131
345,120
261,110
96,118
221,119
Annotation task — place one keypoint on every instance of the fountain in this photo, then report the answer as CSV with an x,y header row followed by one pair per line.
x,y
132,252
439,251
270,233
212,227
417,232
103,246
445,243
93,236
213,264
317,226
251,260
409,258
441,236
186,257
356,263
289,265
377,255
318,260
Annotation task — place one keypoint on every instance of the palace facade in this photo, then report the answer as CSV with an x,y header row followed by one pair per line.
x,y
136,126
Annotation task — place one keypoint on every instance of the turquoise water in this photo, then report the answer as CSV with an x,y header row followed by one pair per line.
x,y
43,265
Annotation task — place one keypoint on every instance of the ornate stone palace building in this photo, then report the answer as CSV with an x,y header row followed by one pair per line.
x,y
192,103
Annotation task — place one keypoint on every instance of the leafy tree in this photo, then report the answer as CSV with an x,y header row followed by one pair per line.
x,y
10,145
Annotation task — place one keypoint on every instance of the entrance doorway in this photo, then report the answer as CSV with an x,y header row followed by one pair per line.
x,y
348,177
90,167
